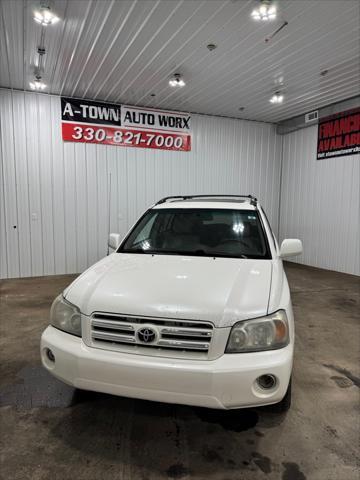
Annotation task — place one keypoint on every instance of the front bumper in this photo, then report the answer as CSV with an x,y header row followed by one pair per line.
x,y
227,382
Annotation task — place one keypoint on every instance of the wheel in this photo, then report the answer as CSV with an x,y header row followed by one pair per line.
x,y
285,403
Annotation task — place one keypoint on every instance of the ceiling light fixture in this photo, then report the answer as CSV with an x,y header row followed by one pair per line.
x,y
266,11
277,98
37,84
44,16
177,81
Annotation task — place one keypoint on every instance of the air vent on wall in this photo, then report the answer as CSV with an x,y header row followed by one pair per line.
x,y
312,116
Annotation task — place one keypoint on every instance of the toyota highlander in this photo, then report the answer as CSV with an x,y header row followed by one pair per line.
x,y
192,307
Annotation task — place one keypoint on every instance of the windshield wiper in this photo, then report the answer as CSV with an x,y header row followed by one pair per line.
x,y
151,252
226,255
134,250
229,255
195,253
205,253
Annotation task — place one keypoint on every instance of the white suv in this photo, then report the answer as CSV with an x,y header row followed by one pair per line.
x,y
193,307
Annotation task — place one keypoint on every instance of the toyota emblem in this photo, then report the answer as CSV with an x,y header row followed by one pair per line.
x,y
146,335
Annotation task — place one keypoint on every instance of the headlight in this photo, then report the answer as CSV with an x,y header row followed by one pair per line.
x,y
65,316
265,333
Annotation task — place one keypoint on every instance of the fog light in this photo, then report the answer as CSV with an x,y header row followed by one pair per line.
x,y
50,355
266,381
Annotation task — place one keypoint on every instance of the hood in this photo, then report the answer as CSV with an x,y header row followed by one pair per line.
x,y
220,290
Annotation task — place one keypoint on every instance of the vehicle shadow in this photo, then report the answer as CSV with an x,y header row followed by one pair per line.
x,y
154,440
102,436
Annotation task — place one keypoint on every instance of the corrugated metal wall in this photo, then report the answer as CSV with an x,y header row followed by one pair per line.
x,y
320,203
54,195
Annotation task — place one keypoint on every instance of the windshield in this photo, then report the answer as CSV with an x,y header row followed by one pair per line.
x,y
202,232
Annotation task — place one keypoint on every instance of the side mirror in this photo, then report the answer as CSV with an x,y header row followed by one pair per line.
x,y
114,240
290,247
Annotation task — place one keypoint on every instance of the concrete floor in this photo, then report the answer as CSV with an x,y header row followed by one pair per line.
x,y
49,431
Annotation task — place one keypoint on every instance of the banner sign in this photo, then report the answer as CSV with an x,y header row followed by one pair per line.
x,y
339,135
121,125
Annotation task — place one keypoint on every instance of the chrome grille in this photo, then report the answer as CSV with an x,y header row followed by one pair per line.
x,y
184,335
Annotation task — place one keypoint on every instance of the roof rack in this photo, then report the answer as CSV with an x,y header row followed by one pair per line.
x,y
253,200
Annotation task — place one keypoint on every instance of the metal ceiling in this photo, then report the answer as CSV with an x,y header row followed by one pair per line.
x,y
126,50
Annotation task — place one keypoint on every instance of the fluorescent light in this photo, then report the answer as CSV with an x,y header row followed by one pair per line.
x,y
37,85
264,12
277,98
177,81
45,17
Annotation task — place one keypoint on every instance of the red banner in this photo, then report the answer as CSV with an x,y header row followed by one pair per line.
x,y
339,135
113,124
76,132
